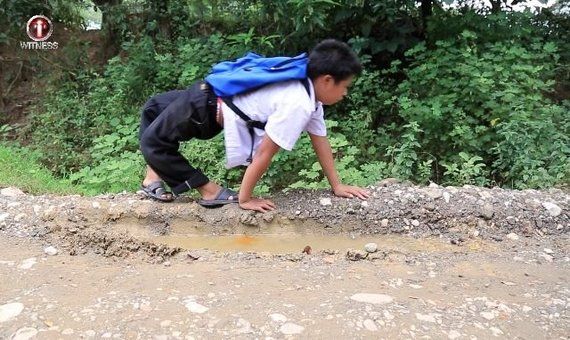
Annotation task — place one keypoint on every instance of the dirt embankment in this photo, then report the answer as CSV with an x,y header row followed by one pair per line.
x,y
123,224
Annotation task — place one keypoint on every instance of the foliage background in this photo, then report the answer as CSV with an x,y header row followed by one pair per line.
x,y
459,94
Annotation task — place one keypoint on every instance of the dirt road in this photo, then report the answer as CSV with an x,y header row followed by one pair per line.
x,y
112,267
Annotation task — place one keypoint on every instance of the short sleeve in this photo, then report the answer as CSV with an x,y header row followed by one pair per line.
x,y
316,125
285,126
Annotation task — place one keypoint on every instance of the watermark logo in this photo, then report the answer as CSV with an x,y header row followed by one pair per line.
x,y
39,29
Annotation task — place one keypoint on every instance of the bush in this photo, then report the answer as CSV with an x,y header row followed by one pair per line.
x,y
476,108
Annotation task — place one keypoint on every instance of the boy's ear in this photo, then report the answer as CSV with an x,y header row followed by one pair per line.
x,y
325,79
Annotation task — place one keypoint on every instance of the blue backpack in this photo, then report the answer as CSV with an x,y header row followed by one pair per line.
x,y
251,72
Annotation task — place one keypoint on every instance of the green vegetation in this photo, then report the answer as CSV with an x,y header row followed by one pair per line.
x,y
454,96
20,167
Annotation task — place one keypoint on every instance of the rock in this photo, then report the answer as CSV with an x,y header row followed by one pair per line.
x,y
96,205
426,317
526,309
453,334
4,216
25,333
370,325
11,192
90,333
276,317
496,331
291,328
433,193
248,218
547,257
377,299
195,307
487,315
364,204
355,255
325,201
552,209
486,211
371,247
244,326
27,263
51,251
548,251
384,222
513,236
415,223
10,310
67,331
446,196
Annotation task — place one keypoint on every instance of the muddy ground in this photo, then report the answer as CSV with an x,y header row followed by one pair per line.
x,y
450,263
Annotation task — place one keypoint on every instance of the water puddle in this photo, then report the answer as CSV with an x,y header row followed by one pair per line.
x,y
296,243
287,239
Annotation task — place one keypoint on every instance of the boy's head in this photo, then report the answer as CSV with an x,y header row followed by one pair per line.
x,y
332,66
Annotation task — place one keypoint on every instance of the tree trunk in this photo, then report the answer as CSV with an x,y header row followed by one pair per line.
x,y
495,6
427,10
109,26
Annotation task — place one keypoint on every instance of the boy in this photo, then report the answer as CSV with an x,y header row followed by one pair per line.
x,y
175,116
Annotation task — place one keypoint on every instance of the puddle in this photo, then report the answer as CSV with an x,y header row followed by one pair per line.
x,y
296,243
280,239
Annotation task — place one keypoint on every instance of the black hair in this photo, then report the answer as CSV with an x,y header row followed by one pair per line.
x,y
334,58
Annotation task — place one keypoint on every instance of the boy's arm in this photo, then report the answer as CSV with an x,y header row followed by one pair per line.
x,y
255,170
323,150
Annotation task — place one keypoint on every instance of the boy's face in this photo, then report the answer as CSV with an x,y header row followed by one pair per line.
x,y
328,91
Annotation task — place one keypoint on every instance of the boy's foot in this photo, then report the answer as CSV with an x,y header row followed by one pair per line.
x,y
224,196
157,191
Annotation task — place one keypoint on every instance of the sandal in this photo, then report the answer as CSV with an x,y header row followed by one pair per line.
x,y
157,191
225,196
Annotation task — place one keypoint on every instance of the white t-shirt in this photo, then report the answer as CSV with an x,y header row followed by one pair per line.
x,y
286,108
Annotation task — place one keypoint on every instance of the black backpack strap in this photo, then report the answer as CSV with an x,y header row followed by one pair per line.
x,y
305,82
250,123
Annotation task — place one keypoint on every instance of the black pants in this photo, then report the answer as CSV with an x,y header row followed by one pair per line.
x,y
173,117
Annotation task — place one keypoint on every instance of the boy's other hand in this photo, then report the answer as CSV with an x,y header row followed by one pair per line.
x,y
257,204
350,191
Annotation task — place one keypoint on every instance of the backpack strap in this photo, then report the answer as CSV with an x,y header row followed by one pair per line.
x,y
255,124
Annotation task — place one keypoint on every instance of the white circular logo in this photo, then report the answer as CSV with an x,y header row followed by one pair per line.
x,y
39,28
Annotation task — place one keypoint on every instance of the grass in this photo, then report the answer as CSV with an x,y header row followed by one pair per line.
x,y
19,167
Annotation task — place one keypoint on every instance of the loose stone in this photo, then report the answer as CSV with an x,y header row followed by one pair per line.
x,y
325,201
28,263
453,334
291,328
25,333
371,247
552,209
513,237
11,192
10,310
370,325
378,299
276,317
51,251
425,317
195,307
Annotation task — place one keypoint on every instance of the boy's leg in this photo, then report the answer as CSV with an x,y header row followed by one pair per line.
x,y
192,115
150,111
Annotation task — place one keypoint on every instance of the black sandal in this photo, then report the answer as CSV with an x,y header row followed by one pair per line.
x,y
225,196
157,191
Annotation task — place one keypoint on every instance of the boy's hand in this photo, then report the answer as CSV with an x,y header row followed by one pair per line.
x,y
257,204
350,191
